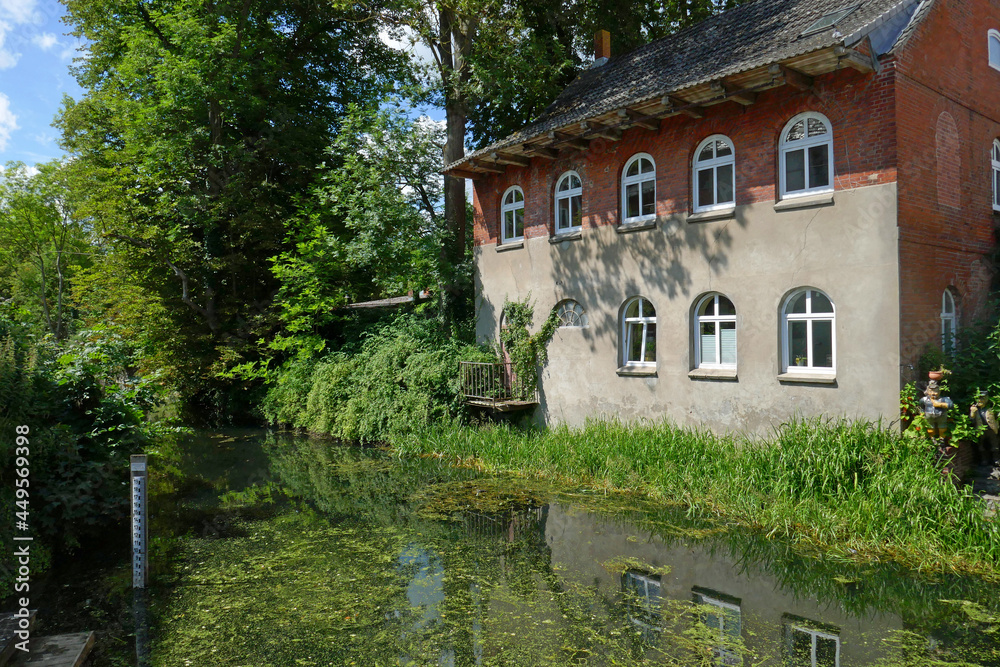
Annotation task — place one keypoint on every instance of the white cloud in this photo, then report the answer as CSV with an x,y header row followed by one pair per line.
x,y
45,40
410,43
18,11
31,170
8,121
8,58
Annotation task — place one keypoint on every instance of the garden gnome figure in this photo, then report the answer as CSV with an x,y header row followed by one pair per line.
x,y
983,414
936,412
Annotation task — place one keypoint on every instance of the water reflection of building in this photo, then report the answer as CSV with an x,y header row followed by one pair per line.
x,y
733,603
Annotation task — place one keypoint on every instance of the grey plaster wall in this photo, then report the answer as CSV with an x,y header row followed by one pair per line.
x,y
847,249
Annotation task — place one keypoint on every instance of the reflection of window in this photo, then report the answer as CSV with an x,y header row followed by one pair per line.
x,y
569,196
948,322
808,333
722,613
809,644
806,155
642,599
639,333
639,189
571,314
512,214
713,174
715,333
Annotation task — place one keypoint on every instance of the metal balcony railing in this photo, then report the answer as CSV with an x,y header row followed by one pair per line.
x,y
495,385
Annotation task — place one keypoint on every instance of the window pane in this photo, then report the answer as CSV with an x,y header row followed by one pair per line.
x,y
564,185
727,342
508,224
509,199
564,215
576,211
801,649
519,222
645,166
634,341
826,652
947,336
574,182
947,303
632,201
708,343
706,189
725,176
647,309
797,354
816,127
722,149
799,304
707,307
996,187
633,169
819,166
633,309
706,153
726,306
648,197
650,342
518,195
822,343
796,132
821,304
795,171
994,51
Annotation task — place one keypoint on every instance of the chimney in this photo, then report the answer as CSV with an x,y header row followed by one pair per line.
x,y
602,47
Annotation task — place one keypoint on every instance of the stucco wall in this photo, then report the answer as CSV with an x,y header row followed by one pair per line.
x,y
848,250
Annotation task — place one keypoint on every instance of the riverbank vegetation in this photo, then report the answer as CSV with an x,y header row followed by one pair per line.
x,y
848,489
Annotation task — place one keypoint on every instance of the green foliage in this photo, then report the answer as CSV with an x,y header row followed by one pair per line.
x,y
404,377
849,488
527,351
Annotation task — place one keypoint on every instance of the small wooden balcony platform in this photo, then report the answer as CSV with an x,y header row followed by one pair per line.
x,y
495,386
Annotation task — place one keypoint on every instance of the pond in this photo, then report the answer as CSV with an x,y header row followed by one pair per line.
x,y
292,551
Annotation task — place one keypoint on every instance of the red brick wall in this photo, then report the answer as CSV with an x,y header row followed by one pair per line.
x,y
949,113
860,108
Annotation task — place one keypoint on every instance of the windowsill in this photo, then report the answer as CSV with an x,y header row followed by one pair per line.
x,y
636,226
575,235
713,374
792,202
510,245
637,371
808,378
708,216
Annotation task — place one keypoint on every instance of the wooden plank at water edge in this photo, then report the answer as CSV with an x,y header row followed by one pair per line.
x,y
9,624
58,651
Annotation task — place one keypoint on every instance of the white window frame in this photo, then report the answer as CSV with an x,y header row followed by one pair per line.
x,y
813,633
809,317
511,207
638,179
723,655
568,194
626,333
578,319
993,52
948,316
716,320
995,173
804,144
713,164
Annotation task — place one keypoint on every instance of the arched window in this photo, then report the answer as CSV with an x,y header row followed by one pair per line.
x,y
808,334
569,197
714,164
948,319
806,155
993,40
995,162
512,214
639,189
715,333
638,333
571,314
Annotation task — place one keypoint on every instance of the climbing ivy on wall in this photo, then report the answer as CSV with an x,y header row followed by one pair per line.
x,y
527,351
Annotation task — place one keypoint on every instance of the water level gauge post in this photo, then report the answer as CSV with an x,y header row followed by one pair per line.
x,y
140,566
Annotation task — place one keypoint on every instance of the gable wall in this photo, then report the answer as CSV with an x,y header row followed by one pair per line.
x,y
949,113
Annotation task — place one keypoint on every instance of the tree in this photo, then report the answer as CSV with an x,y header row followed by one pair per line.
x,y
42,239
199,125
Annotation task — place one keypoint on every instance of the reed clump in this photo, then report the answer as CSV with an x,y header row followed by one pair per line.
x,y
850,489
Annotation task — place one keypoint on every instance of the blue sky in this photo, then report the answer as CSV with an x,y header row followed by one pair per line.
x,y
35,56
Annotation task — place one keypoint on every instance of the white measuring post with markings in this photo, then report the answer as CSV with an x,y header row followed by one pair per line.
x,y
140,553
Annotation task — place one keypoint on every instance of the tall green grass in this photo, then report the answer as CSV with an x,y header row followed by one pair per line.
x,y
851,489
